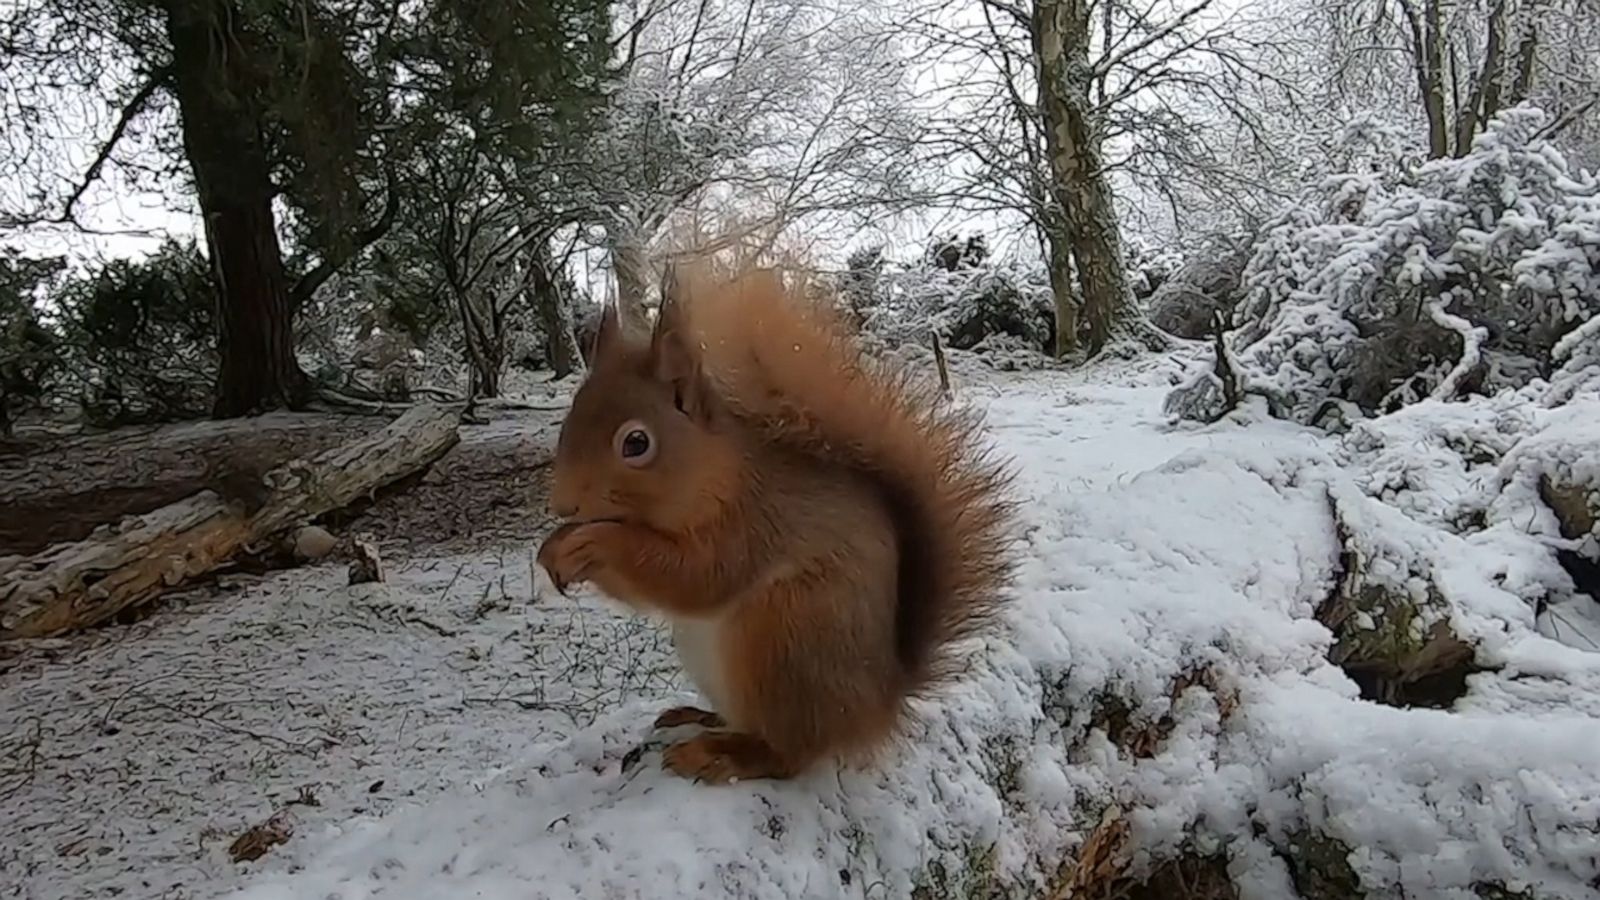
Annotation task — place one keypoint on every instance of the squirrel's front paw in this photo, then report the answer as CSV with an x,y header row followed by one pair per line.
x,y
571,552
721,757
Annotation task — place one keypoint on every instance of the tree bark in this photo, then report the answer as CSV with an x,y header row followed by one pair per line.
x,y
1062,290
483,369
1484,101
1527,55
1433,55
1078,180
1427,59
483,338
489,377
630,263
555,315
72,586
223,140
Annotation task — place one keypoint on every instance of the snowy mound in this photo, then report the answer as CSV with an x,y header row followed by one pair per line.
x,y
1164,688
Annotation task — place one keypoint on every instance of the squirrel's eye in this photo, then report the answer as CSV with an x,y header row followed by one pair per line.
x,y
634,444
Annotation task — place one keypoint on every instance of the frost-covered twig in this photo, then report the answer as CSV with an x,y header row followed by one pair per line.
x,y
1569,343
24,747
1578,357
1472,338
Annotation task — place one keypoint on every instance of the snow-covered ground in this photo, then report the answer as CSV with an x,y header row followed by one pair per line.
x,y
462,733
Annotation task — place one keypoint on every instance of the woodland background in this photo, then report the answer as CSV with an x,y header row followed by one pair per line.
x,y
221,207
1287,310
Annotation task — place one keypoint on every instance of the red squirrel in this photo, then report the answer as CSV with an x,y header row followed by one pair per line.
x,y
819,527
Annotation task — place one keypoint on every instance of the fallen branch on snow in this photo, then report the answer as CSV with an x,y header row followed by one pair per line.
x,y
72,586
1211,396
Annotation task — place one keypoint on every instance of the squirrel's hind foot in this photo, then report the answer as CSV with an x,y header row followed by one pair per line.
x,y
719,757
688,715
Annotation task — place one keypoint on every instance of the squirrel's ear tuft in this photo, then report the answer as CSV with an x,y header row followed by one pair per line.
x,y
608,337
672,288
673,358
669,318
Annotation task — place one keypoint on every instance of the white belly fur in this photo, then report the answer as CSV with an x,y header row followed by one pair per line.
x,y
699,645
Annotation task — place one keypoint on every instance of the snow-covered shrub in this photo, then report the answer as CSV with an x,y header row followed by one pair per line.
x,y
1383,288
30,351
965,306
998,303
1578,355
858,286
1208,282
952,254
140,340
1150,267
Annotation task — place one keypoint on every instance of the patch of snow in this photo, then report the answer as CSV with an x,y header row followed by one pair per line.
x,y
514,741
131,759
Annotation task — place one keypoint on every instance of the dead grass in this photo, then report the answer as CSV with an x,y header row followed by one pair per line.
x,y
1102,871
1103,868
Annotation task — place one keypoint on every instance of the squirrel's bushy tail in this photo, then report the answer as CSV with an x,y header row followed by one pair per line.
x,y
791,368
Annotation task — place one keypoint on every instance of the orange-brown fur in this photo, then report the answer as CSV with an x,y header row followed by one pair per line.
x,y
840,524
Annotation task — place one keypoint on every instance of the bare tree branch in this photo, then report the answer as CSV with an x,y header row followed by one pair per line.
x,y
131,110
304,288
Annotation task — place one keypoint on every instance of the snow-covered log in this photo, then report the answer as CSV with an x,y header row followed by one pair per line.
x,y
1576,505
1552,492
70,586
1391,622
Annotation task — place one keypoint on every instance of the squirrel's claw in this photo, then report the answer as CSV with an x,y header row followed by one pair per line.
x,y
687,715
574,550
552,558
562,585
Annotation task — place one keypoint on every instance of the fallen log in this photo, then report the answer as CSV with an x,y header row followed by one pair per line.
x,y
121,567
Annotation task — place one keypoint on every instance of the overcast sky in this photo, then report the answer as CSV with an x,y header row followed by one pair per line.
x,y
134,214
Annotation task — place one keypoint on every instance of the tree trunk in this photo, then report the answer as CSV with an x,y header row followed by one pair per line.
x,y
223,141
1078,180
1061,288
1484,101
483,339
555,315
1455,84
1427,62
565,357
1495,70
489,377
484,364
630,263
1527,55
